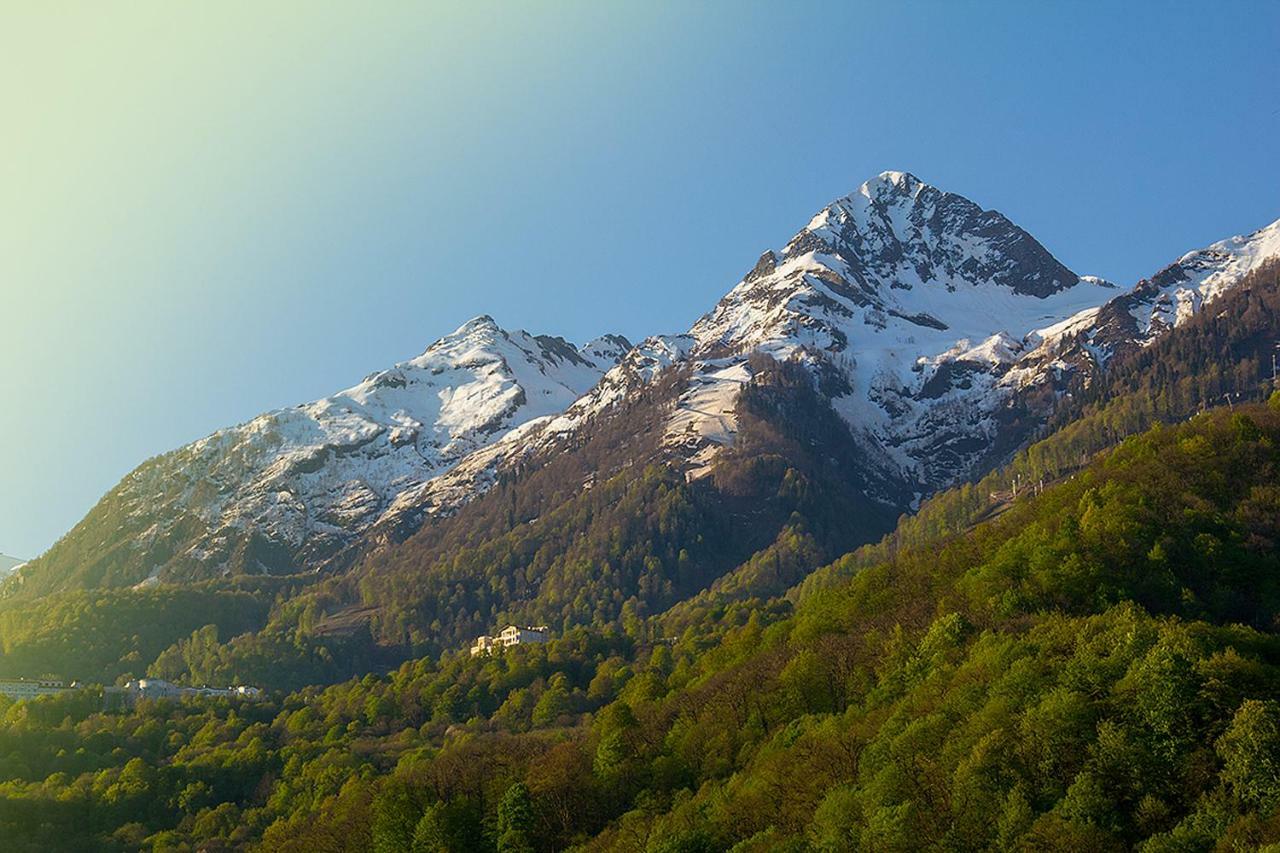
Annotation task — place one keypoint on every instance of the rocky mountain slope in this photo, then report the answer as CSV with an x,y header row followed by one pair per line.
x,y
940,333
1169,298
934,339
906,302
943,335
289,487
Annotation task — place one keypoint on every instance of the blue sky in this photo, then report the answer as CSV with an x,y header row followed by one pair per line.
x,y
227,210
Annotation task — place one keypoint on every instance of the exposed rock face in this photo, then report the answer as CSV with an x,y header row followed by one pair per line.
x,y
287,489
1176,292
941,334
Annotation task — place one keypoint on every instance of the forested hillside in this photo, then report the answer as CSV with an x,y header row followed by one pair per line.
x,y
607,532
1217,358
904,341
1081,649
640,536
1097,667
1220,355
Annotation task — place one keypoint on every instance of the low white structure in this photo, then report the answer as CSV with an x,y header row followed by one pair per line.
x,y
21,688
155,688
152,688
512,635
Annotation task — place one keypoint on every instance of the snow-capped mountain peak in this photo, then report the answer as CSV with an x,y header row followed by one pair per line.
x,y
899,289
1200,276
930,321
293,485
897,251
891,181
898,230
912,304
940,332
607,348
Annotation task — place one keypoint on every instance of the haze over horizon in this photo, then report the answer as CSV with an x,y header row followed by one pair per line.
x,y
220,212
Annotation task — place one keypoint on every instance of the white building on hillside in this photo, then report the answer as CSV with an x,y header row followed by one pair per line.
x,y
21,688
512,635
155,688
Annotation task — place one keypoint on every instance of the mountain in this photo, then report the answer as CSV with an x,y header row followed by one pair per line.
x,y
909,306
290,487
1077,651
1095,668
903,341
941,333
1175,293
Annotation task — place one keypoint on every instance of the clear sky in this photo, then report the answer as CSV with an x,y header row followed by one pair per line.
x,y
210,210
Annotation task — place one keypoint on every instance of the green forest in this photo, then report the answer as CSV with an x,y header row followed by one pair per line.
x,y
1096,666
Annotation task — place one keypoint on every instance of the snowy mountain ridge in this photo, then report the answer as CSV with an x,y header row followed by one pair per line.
x,y
292,486
1175,293
881,292
940,332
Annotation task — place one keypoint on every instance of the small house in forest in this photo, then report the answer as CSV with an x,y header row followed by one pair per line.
x,y
512,635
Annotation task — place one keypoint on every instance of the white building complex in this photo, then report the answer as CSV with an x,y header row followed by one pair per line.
x,y
21,688
512,635
155,688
